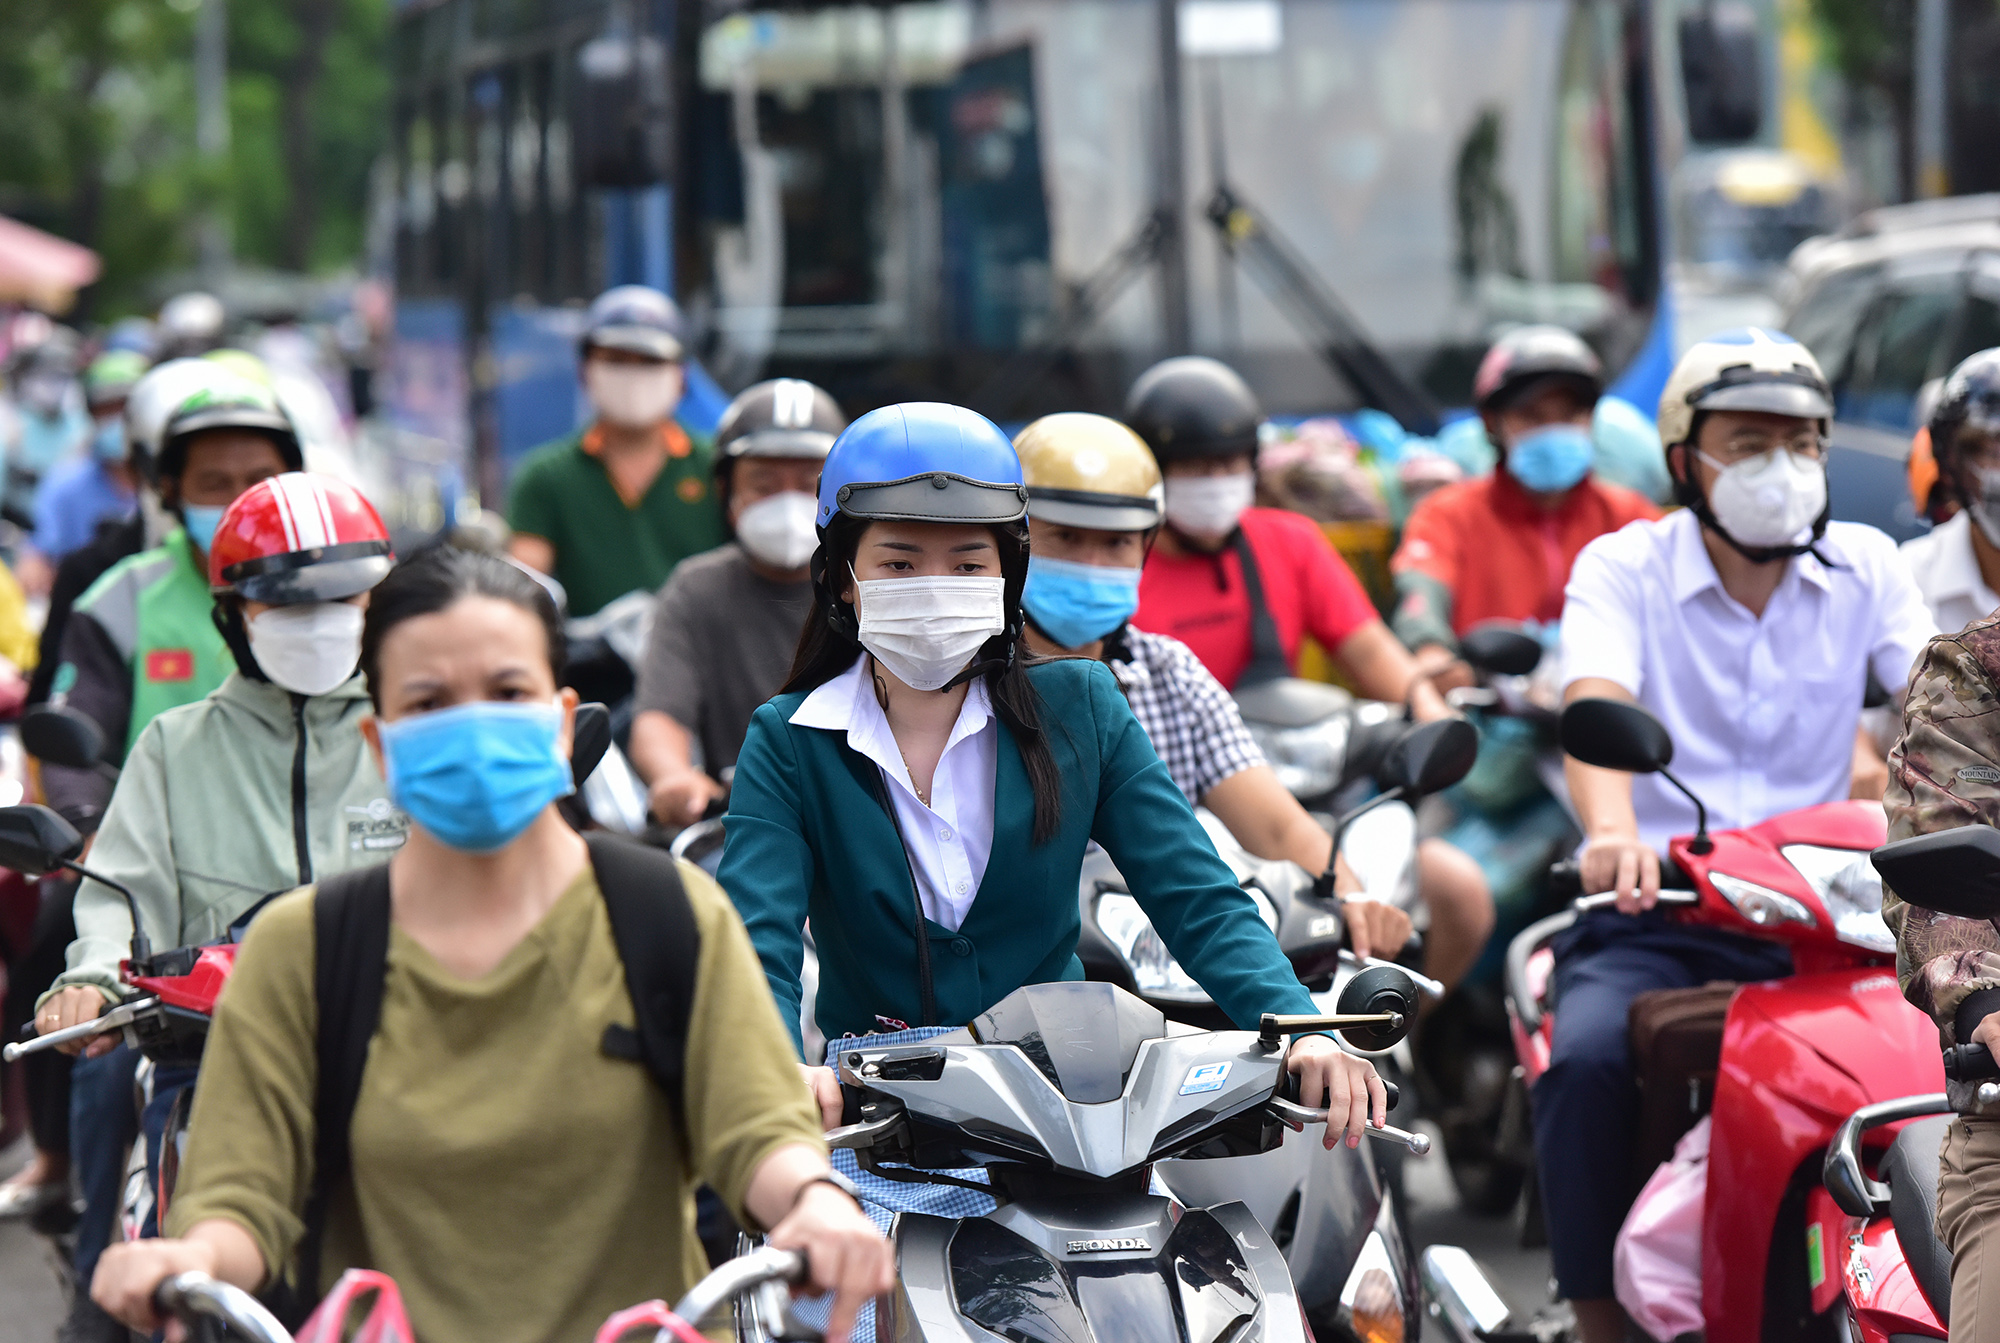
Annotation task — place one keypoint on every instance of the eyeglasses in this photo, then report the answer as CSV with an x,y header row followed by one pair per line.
x,y
1743,447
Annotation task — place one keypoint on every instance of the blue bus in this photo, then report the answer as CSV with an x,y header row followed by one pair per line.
x,y
1018,204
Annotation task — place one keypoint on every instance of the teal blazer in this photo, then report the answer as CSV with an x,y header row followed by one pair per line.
x,y
807,835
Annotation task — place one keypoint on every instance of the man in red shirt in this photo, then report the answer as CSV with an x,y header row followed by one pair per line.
x,y
1243,586
1500,548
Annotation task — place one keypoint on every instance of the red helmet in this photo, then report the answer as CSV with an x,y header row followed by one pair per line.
x,y
299,537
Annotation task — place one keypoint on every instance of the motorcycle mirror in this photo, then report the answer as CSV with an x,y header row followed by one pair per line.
x,y
591,740
1955,872
1501,648
1616,734
1428,758
60,735
35,841
1379,988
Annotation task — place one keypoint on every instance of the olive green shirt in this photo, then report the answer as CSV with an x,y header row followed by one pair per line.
x,y
607,545
514,1180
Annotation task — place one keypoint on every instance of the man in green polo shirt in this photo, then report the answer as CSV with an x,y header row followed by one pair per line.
x,y
615,507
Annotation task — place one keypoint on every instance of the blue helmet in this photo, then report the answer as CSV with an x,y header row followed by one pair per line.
x,y
923,461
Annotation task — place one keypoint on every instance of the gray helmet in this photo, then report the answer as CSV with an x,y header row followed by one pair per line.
x,y
638,320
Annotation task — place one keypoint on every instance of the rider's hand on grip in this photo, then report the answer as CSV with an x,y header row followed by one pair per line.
x,y
129,1274
1625,865
1347,1086
848,1255
72,1007
824,1084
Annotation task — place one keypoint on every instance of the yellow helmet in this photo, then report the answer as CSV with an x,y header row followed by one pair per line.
x,y
1752,368
1090,471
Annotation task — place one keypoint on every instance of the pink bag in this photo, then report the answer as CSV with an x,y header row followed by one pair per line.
x,y
385,1321
1656,1266
650,1316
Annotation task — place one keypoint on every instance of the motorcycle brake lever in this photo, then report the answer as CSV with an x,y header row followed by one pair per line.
x,y
1584,904
863,1134
1296,1117
118,1017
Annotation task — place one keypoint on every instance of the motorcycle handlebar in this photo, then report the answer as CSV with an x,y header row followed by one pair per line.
x,y
116,1019
188,1296
1609,899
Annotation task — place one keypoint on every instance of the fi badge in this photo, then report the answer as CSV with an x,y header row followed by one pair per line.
x,y
1205,1077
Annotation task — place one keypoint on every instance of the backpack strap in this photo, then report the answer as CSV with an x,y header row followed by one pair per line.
x,y
1267,651
350,962
653,925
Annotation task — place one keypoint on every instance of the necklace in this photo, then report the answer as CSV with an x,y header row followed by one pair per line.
x,y
923,794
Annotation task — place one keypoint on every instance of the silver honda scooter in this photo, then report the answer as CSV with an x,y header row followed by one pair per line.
x,y
1069,1095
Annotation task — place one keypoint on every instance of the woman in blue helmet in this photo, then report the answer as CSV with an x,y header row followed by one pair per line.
x,y
923,788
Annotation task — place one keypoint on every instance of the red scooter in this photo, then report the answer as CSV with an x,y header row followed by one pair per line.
x,y
1896,1272
1799,1055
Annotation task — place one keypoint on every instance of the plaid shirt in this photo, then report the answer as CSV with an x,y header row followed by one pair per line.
x,y
1193,721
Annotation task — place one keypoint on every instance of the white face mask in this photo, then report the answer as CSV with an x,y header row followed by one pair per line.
x,y
779,530
926,629
308,648
632,395
1209,506
1767,500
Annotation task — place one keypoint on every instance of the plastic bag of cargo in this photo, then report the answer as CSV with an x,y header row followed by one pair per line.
x,y
1656,1266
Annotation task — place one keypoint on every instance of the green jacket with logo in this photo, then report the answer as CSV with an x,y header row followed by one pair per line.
x,y
251,791
140,640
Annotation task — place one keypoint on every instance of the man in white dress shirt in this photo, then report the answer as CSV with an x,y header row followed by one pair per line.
x,y
1748,624
1957,564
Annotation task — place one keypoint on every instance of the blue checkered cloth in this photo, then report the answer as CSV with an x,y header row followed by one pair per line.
x,y
883,1199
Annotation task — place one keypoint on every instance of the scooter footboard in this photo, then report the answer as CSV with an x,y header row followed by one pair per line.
x,y
1132,1272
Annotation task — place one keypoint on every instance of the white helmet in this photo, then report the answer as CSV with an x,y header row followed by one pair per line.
x,y
157,395
1750,368
193,317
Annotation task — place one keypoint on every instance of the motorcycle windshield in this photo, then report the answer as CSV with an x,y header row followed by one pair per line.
x,y
1083,1037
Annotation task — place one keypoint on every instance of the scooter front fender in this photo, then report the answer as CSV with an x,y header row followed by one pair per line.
x,y
1191,1280
1881,1291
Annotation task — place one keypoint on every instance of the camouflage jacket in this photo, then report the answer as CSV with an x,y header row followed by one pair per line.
x,y
1945,772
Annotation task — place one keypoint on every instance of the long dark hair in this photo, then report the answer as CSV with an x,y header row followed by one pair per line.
x,y
828,647
439,576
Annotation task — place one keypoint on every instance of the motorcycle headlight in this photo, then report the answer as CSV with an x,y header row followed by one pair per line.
x,y
1307,760
1850,888
1760,904
1372,1299
1145,954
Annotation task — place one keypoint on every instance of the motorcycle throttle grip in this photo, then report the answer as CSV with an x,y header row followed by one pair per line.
x,y
1393,1092
1565,879
850,1104
1970,1063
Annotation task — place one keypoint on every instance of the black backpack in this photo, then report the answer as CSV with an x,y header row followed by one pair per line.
x,y
652,922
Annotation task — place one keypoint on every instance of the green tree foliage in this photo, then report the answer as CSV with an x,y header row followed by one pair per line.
x,y
98,96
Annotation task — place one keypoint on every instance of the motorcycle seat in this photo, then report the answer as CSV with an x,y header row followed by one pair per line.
x,y
1911,1172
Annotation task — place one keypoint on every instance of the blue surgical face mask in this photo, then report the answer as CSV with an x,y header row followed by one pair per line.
x,y
1552,458
108,443
201,520
1076,604
474,776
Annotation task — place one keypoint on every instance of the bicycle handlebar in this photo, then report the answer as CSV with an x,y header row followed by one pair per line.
x,y
188,1296
735,1277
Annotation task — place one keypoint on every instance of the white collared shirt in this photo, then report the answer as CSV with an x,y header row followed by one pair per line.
x,y
1762,711
1947,573
949,840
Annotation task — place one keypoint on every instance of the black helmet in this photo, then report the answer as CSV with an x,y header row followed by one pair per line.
x,y
1529,354
1192,407
781,417
1970,400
